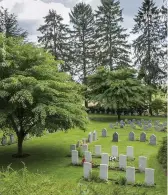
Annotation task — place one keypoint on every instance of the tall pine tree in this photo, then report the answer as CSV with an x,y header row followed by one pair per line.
x,y
82,41
147,47
54,37
112,47
9,25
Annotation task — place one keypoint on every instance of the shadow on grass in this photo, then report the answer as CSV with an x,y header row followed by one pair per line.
x,y
39,157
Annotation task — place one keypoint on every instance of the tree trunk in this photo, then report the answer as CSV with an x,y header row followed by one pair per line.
x,y
150,101
119,116
20,144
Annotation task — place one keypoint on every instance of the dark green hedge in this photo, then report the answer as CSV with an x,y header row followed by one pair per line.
x,y
162,153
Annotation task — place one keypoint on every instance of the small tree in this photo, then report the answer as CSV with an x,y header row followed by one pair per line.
x,y
33,94
116,89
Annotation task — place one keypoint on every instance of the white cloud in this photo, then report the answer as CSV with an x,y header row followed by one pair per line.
x,y
35,10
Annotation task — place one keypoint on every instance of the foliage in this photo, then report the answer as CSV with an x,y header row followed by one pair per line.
x,y
148,49
33,94
159,105
122,181
82,41
117,89
9,25
54,37
162,153
112,48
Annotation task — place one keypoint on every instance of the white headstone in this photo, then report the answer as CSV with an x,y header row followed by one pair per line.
x,y
104,172
97,150
122,161
94,135
84,148
105,158
104,133
130,152
87,168
149,177
130,174
74,157
90,137
72,147
84,140
142,163
152,140
114,151
88,156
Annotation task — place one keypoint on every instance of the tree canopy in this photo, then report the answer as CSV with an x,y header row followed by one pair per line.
x,y
33,94
117,89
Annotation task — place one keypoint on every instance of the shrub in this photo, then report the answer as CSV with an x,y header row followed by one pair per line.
x,y
162,153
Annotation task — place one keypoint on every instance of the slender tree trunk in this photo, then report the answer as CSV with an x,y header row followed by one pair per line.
x,y
20,144
119,116
150,101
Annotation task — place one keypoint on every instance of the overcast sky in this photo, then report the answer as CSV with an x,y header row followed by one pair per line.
x,y
30,13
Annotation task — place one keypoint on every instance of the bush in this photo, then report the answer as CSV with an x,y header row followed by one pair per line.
x,y
162,154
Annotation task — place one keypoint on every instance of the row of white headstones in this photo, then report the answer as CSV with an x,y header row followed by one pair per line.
x,y
130,171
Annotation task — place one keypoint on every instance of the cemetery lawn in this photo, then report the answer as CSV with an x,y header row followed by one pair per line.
x,y
48,156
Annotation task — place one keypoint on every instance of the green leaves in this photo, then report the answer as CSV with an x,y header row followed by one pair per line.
x,y
33,94
117,89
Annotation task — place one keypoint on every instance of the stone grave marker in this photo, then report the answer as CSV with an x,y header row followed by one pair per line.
x,y
104,172
149,177
84,140
130,152
84,148
145,128
88,156
143,137
122,161
130,174
4,141
87,169
111,126
72,147
94,135
149,125
152,140
131,136
115,137
74,157
105,158
104,133
97,150
142,163
12,139
114,151
90,137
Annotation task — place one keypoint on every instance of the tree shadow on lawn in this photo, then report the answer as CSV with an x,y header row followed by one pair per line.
x,y
41,157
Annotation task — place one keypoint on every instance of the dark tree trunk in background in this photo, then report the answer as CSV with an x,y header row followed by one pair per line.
x,y
20,136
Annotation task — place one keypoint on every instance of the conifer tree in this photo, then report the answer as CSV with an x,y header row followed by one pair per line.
x,y
147,47
54,36
9,25
112,47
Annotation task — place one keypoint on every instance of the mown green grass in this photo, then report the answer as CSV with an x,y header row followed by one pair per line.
x,y
48,156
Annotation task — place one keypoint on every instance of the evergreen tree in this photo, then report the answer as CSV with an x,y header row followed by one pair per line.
x,y
82,42
147,47
54,36
112,47
9,25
